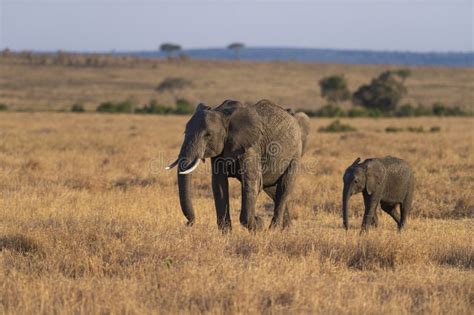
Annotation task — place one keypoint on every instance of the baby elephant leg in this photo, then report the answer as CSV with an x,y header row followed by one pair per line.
x,y
405,208
391,210
375,220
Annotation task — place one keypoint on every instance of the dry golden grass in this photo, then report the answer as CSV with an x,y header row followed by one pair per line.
x,y
90,223
290,84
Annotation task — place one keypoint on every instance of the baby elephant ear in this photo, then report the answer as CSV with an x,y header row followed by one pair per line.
x,y
375,176
245,130
202,106
356,162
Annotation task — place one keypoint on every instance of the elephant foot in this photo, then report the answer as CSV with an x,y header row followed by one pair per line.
x,y
400,227
274,225
253,224
374,222
258,223
286,220
225,228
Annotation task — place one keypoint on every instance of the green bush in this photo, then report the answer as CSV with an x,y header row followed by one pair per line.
x,y
77,108
124,107
375,113
406,110
393,129
383,93
3,107
421,110
439,109
334,88
337,126
154,108
435,129
456,111
418,129
358,112
106,107
120,107
183,107
330,110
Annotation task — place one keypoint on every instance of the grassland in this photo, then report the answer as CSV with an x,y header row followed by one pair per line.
x,y
30,86
90,221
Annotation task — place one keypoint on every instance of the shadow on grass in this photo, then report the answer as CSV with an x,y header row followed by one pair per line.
x,y
19,243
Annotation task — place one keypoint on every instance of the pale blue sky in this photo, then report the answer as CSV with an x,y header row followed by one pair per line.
x,y
102,25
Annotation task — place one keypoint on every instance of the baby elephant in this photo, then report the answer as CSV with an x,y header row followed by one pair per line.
x,y
388,181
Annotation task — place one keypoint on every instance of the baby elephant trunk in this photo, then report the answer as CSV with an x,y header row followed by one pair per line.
x,y
346,195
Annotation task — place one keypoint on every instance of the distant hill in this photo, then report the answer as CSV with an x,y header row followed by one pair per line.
x,y
457,59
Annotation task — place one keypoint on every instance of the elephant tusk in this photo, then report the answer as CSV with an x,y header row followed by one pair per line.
x,y
192,168
172,165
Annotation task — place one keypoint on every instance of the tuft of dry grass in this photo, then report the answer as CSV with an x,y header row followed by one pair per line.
x,y
90,223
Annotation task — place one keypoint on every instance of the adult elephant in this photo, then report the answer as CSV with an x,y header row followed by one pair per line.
x,y
260,145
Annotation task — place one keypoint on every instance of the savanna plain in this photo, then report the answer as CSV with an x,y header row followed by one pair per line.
x,y
90,221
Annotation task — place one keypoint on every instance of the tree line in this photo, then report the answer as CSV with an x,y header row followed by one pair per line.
x,y
381,97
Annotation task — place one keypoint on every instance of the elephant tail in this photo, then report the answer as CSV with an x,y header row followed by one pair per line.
x,y
303,122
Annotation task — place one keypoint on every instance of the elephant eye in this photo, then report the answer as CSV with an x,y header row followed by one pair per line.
x,y
207,135
356,181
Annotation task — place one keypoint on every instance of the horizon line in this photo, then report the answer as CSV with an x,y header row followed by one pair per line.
x,y
244,47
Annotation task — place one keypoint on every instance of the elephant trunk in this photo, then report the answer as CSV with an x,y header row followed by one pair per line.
x,y
189,158
346,195
185,193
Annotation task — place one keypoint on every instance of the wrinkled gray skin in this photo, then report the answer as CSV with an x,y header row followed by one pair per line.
x,y
259,144
388,181
303,121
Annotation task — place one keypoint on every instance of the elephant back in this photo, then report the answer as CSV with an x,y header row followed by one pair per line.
x,y
280,125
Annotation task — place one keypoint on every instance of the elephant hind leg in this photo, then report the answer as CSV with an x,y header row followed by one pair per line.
x,y
391,210
284,188
405,208
271,192
375,220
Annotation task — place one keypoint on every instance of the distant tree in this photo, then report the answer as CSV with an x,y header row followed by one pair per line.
x,y
334,88
169,48
383,93
402,73
236,47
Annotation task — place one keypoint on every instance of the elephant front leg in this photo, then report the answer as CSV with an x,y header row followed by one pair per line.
x,y
371,202
281,216
251,183
220,189
249,200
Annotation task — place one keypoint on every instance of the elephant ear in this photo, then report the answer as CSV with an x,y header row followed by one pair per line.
x,y
375,176
202,107
356,162
228,107
245,131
